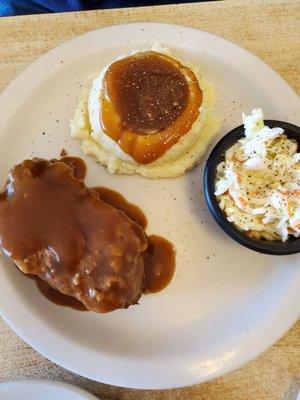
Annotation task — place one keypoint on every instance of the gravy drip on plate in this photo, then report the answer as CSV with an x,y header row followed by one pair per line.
x,y
159,259
149,102
79,241
118,201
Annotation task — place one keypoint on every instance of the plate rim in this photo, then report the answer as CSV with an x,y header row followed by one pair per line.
x,y
71,388
7,92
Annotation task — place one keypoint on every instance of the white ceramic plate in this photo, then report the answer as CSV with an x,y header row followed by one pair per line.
x,y
226,304
41,389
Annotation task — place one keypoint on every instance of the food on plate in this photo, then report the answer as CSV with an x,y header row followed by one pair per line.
x,y
258,182
56,228
147,113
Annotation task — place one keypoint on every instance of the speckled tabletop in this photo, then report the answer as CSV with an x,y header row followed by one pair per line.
x,y
269,29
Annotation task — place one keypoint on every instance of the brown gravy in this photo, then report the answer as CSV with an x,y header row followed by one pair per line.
x,y
118,201
77,164
159,261
151,100
148,92
55,296
54,227
159,258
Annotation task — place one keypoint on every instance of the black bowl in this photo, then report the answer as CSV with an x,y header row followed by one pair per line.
x,y
292,246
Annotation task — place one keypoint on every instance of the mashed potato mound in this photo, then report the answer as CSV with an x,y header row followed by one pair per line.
x,y
183,156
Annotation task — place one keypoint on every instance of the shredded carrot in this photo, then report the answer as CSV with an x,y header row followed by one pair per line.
x,y
243,201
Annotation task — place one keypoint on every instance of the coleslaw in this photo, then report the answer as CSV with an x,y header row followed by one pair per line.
x,y
258,183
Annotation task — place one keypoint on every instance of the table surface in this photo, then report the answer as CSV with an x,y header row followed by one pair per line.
x,y
269,29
